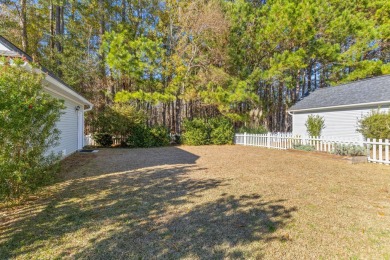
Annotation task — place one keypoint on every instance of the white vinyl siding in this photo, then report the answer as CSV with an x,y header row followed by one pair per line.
x,y
68,125
338,123
3,48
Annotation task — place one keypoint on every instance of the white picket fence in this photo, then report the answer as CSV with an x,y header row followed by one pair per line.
x,y
377,150
89,141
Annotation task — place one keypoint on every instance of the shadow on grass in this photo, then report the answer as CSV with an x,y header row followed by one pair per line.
x,y
109,160
156,211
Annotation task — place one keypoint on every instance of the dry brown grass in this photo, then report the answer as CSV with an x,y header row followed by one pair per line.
x,y
205,202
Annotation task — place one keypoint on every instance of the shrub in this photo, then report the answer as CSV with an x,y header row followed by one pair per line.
x,y
160,136
218,130
304,147
139,136
222,131
28,116
143,137
253,130
103,139
196,132
375,125
117,119
314,125
350,150
175,139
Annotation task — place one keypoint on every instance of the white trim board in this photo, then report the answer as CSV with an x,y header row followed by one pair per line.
x,y
342,106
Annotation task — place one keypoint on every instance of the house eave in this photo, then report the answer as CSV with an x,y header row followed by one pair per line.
x,y
59,88
380,103
68,91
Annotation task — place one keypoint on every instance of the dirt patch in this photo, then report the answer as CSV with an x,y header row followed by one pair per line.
x,y
205,202
72,163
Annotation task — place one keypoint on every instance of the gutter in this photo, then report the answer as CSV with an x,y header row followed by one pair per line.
x,y
67,90
342,106
88,109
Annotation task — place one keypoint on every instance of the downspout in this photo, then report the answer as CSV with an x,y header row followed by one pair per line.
x,y
85,110
88,109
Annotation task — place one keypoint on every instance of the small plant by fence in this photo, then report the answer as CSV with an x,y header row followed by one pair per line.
x,y
377,150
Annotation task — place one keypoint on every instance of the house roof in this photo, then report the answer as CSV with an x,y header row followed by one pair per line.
x,y
14,51
9,53
363,92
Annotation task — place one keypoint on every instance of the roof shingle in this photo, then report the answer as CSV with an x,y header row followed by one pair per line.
x,y
359,92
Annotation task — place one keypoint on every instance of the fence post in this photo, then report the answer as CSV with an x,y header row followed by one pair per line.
x,y
368,149
244,139
269,140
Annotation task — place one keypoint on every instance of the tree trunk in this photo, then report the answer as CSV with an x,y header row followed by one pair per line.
x,y
52,32
123,13
23,24
58,27
164,115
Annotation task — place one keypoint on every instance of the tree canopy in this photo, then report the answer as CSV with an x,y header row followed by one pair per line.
x,y
247,60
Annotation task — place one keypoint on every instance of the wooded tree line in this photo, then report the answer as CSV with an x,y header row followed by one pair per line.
x,y
248,60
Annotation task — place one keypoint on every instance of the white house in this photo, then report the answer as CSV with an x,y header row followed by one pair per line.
x,y
71,123
342,106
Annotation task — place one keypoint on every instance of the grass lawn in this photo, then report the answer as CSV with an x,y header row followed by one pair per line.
x,y
204,202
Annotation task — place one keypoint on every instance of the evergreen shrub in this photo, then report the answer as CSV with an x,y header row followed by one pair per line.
x,y
142,136
103,139
218,130
253,130
28,117
196,132
222,131
375,125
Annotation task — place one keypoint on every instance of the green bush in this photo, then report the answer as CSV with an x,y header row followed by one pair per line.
x,y
222,131
175,139
139,136
117,120
375,125
143,137
314,125
304,147
253,130
160,136
103,139
218,130
349,150
196,132
28,117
